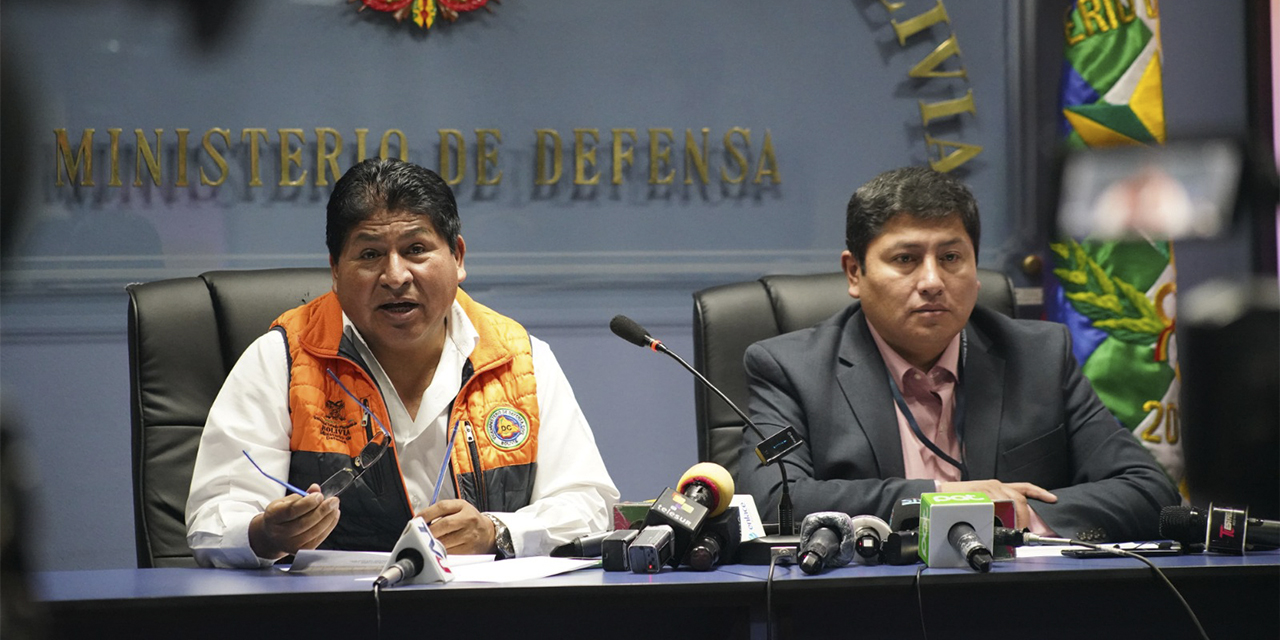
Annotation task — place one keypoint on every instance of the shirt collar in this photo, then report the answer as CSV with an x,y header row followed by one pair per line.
x,y
899,367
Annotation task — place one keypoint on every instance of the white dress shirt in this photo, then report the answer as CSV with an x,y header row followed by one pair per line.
x,y
572,490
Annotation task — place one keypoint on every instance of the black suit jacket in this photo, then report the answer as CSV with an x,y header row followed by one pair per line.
x,y
1031,417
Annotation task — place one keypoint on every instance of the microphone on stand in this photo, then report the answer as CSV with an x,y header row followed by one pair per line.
x,y
770,450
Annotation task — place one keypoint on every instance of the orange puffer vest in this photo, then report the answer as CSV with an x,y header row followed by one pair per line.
x,y
494,457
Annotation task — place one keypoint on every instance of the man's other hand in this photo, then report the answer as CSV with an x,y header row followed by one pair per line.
x,y
1018,492
460,527
293,523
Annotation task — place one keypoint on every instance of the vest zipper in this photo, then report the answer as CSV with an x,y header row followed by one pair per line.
x,y
475,465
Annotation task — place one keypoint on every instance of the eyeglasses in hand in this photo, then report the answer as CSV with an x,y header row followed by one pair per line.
x,y
346,476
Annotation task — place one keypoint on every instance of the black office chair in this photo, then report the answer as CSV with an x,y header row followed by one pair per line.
x,y
184,336
729,318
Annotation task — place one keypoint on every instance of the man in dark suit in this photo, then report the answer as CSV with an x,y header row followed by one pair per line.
x,y
915,390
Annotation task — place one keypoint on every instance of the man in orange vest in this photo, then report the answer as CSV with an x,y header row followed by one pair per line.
x,y
392,396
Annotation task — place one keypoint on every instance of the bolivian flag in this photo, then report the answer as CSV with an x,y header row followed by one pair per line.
x,y
1118,297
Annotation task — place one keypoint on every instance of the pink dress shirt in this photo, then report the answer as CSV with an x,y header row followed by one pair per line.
x,y
931,398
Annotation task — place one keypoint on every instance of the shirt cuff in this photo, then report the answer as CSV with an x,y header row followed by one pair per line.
x,y
1039,527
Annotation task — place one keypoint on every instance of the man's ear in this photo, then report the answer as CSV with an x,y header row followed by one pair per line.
x,y
333,272
460,256
851,273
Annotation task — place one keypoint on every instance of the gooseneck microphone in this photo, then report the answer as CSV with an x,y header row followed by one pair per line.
x,y
965,540
1221,529
629,330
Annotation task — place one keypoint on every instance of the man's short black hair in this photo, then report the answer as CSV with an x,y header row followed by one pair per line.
x,y
389,185
919,192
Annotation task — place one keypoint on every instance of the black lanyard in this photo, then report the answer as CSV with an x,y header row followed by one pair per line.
x,y
957,416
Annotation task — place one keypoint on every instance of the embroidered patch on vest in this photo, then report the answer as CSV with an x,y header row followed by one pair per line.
x,y
334,425
507,428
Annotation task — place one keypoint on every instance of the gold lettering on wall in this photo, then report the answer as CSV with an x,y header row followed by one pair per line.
x,y
928,68
739,158
452,164
487,157
660,155
622,158
290,156
695,156
165,155
182,157
73,163
584,156
944,108
945,155
144,155
541,177
114,158
768,165
948,160
327,157
218,159
253,136
912,26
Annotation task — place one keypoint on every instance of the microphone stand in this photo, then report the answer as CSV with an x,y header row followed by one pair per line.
x,y
786,514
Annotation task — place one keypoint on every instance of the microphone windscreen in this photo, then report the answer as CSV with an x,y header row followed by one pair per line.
x,y
714,477
628,330
842,523
1184,524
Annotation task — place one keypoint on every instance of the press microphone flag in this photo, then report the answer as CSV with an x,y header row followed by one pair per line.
x,y
418,558
956,530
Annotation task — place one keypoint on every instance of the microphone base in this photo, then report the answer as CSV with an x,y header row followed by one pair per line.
x,y
760,550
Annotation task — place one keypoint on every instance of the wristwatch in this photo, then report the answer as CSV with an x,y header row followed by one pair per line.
x,y
502,537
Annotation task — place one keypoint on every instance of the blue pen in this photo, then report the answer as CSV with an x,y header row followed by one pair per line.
x,y
448,451
286,484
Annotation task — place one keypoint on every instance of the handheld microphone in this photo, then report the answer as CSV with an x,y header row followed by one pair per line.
x,y
905,515
777,445
966,540
588,546
615,550
827,539
650,549
718,541
418,558
1219,529
869,534
956,530
705,491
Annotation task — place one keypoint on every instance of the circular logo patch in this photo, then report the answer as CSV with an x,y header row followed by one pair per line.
x,y
507,428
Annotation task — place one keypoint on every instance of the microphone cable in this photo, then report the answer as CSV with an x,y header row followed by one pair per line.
x,y
377,609
924,633
1147,561
776,555
1035,539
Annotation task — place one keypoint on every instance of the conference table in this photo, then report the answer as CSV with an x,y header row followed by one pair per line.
x,y
1049,597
